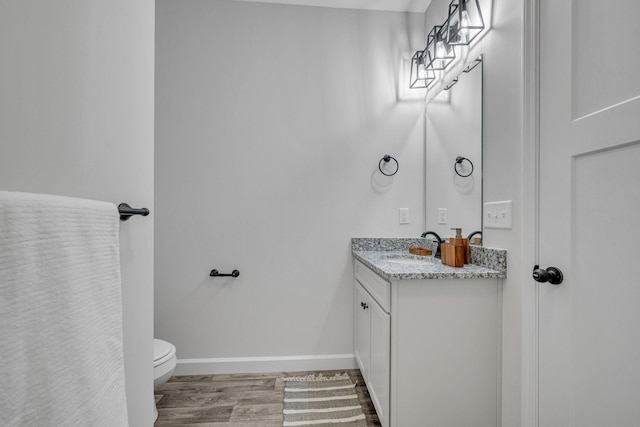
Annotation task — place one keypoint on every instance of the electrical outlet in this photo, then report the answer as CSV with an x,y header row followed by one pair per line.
x,y
442,215
404,216
498,214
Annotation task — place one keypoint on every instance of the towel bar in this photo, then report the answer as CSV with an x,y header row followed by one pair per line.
x,y
216,273
127,211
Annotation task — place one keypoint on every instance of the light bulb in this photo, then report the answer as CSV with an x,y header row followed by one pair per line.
x,y
440,54
465,23
440,51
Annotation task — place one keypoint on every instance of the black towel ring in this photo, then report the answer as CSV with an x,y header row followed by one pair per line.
x,y
459,161
386,159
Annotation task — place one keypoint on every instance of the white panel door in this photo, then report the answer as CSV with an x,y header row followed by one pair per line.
x,y
589,326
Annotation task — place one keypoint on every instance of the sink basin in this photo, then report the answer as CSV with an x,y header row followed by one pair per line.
x,y
410,261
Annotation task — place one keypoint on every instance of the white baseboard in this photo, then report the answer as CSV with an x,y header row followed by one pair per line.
x,y
245,365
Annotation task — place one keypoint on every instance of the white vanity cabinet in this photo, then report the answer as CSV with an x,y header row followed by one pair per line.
x,y
428,349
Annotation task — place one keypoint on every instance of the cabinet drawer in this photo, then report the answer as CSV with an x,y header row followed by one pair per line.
x,y
379,288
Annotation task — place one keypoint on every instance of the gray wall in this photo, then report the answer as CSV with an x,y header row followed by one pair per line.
x,y
270,123
76,119
502,168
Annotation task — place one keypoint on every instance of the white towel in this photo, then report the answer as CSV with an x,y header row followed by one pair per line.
x,y
61,357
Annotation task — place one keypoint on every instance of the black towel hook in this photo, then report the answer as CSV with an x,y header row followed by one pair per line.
x,y
386,159
458,162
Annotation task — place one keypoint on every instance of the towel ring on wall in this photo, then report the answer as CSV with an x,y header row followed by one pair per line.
x,y
386,159
458,163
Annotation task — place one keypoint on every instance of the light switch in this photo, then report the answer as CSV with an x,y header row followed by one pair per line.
x,y
442,215
498,214
404,216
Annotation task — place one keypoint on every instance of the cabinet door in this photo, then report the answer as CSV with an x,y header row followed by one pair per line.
x,y
445,359
379,367
362,330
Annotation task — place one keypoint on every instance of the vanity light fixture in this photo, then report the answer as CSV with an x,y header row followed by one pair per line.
x,y
464,22
421,77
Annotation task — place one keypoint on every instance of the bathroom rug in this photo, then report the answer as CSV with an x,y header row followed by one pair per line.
x,y
315,400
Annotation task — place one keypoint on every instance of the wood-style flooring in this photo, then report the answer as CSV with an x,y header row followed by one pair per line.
x,y
237,400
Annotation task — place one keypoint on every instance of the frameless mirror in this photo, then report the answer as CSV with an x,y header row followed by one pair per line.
x,y
454,155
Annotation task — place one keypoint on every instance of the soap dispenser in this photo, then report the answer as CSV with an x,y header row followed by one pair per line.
x,y
462,241
454,253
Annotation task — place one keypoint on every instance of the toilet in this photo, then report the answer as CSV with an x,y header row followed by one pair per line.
x,y
164,363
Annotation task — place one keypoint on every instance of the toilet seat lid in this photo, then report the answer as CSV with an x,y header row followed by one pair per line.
x,y
162,350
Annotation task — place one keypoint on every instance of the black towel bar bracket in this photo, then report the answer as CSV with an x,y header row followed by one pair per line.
x,y
215,273
127,211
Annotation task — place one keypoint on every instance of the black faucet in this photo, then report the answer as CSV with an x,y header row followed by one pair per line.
x,y
434,234
473,234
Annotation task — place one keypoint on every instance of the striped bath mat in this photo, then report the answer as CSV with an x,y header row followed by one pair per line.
x,y
318,401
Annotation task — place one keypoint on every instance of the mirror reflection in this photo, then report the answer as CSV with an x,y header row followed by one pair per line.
x,y
454,156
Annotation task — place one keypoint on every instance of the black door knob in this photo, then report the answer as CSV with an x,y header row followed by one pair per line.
x,y
552,275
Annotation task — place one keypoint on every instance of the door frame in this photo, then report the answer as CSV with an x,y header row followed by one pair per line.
x,y
530,209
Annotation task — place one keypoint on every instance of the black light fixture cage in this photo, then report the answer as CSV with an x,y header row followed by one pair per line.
x,y
421,77
439,53
464,22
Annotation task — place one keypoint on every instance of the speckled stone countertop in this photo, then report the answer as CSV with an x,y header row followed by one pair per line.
x,y
486,263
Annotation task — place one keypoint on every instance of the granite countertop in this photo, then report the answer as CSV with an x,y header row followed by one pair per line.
x,y
486,263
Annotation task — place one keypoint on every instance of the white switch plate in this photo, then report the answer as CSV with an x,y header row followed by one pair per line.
x,y
404,216
442,215
498,214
